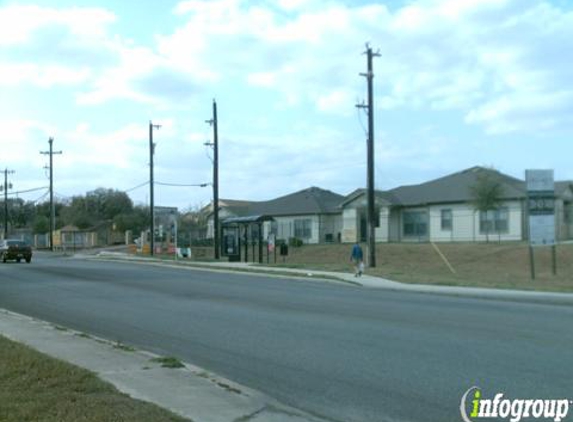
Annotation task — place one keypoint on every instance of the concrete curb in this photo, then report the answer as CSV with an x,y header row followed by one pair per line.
x,y
553,298
191,392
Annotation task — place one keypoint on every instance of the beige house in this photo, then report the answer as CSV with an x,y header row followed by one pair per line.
x,y
312,215
441,210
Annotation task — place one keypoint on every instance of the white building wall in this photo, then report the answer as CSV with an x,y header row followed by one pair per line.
x,y
286,227
466,224
463,223
383,230
223,213
330,224
350,225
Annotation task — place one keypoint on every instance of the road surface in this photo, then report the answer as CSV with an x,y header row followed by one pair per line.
x,y
344,353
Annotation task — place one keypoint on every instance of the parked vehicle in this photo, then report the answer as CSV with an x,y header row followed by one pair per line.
x,y
15,250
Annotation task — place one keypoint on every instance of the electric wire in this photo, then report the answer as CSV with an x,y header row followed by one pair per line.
x,y
200,185
27,190
136,187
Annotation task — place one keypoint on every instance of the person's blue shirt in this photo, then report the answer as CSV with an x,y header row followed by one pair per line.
x,y
356,253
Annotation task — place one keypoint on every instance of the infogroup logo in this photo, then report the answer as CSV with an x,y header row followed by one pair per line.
x,y
513,409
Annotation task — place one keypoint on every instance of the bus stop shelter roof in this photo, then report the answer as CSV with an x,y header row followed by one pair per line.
x,y
249,219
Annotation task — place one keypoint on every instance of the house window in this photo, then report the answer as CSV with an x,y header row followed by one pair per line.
x,y
446,219
303,228
494,221
415,223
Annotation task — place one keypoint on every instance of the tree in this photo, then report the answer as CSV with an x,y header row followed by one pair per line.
x,y
41,224
487,193
137,220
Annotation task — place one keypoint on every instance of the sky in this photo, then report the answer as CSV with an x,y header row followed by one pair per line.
x,y
458,83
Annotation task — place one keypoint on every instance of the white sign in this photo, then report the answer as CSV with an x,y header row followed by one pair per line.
x,y
539,180
541,207
542,230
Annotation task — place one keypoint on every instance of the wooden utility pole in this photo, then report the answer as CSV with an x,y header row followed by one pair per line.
x,y
51,153
151,191
6,187
371,210
215,145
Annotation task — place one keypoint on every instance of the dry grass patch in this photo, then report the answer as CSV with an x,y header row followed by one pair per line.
x,y
35,387
504,265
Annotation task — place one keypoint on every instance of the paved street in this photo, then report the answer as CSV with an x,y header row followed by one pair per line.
x,y
342,353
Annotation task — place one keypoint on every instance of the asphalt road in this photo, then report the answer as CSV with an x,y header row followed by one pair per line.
x,y
344,353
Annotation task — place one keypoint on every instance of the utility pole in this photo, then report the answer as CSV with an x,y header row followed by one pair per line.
x,y
370,159
51,153
151,192
6,187
215,145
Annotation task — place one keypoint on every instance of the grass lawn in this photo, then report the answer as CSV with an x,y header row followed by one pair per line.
x,y
38,388
504,265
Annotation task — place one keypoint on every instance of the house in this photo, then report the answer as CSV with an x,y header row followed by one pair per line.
x,y
312,215
442,210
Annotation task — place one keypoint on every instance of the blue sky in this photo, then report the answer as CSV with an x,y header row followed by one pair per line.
x,y
459,83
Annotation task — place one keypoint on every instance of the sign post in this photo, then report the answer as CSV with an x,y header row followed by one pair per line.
x,y
541,210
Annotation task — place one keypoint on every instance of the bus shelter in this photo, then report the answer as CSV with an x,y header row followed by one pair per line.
x,y
239,234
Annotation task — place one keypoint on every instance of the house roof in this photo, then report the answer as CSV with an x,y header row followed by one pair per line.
x,y
312,200
562,186
379,196
456,187
453,188
247,220
69,228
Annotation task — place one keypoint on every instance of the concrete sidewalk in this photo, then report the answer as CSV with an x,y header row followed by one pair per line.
x,y
190,392
364,281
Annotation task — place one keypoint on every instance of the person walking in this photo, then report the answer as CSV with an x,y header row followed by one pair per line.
x,y
357,257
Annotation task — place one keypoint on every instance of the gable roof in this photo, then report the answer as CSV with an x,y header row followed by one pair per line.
x,y
312,200
456,187
379,197
452,188
307,201
562,186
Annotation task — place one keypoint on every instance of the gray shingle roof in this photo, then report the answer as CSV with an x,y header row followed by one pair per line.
x,y
455,187
312,200
562,186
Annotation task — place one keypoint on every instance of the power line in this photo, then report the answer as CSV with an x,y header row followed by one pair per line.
x,y
197,185
28,190
136,187
41,197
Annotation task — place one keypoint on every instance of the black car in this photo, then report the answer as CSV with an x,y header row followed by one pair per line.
x,y
15,250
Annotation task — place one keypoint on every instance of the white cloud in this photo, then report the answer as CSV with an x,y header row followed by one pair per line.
x,y
337,102
42,76
20,22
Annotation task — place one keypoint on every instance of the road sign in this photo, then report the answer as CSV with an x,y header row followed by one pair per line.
x,y
541,207
539,180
